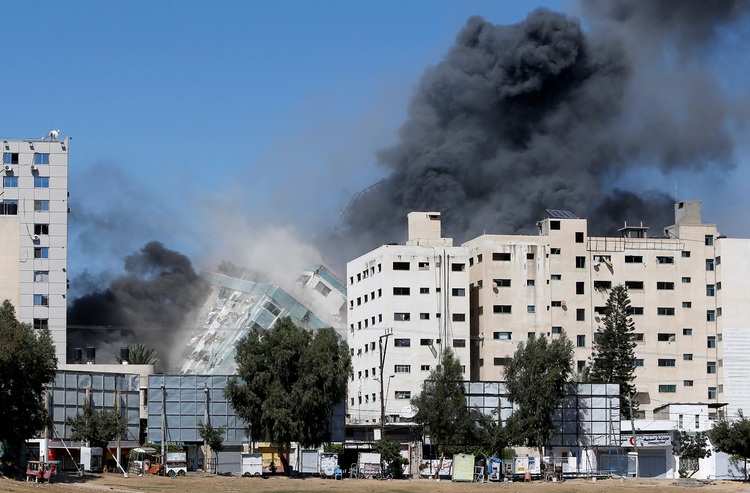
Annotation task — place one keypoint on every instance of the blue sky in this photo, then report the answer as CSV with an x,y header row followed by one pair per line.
x,y
273,110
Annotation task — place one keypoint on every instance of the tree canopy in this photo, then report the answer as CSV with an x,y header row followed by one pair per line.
x,y
537,378
732,437
27,365
288,382
139,355
691,447
614,349
442,413
96,427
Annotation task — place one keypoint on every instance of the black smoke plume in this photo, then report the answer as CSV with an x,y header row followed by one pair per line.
x,y
151,303
546,114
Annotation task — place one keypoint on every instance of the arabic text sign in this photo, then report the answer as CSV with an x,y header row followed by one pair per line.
x,y
659,440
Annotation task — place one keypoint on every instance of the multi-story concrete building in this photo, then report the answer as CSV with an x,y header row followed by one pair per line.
x,y
558,283
406,303
34,232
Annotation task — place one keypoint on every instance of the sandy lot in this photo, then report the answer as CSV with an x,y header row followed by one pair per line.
x,y
200,483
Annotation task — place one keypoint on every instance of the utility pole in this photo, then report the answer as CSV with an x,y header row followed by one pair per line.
x,y
383,348
635,438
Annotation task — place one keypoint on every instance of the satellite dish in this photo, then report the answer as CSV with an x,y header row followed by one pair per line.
x,y
408,411
563,303
494,285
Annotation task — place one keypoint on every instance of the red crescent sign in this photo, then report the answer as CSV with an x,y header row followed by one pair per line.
x,y
632,441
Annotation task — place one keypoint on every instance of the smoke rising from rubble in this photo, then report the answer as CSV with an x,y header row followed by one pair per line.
x,y
546,114
156,296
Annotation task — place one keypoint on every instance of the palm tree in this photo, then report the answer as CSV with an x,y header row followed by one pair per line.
x,y
139,355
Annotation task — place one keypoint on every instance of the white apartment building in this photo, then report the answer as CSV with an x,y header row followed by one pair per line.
x,y
34,232
405,304
688,291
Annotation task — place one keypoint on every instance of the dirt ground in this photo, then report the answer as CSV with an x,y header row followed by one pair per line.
x,y
200,483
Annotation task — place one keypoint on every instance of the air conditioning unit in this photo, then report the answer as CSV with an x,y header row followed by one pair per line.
x,y
35,238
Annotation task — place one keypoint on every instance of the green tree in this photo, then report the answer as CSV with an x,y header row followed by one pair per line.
x,y
390,453
732,437
96,427
213,437
614,349
442,413
691,447
537,378
139,355
27,365
288,382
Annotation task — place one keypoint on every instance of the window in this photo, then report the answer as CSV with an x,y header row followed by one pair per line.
x,y
501,257
709,264
638,362
554,251
556,330
711,367
401,317
687,383
501,283
602,285
501,308
424,368
41,300
580,314
665,337
664,310
637,337
8,207
710,315
666,362
41,205
41,276
686,254
664,260
42,252
41,323
425,342
530,309
711,342
275,310
459,317
530,282
402,342
41,158
633,259
556,277
687,331
502,336
479,258
710,290
554,225
634,285
580,262
718,260
686,280
41,182
687,304
401,291
10,158
580,341
322,288
401,265
687,357
423,266
529,256
459,342
402,369
712,392
458,292
458,267
424,316
709,240
580,287
579,236
668,388
636,310
403,394
664,285
556,303
501,361
41,229
10,181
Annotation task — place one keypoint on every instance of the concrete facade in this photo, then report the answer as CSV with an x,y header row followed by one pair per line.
x,y
405,304
34,232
